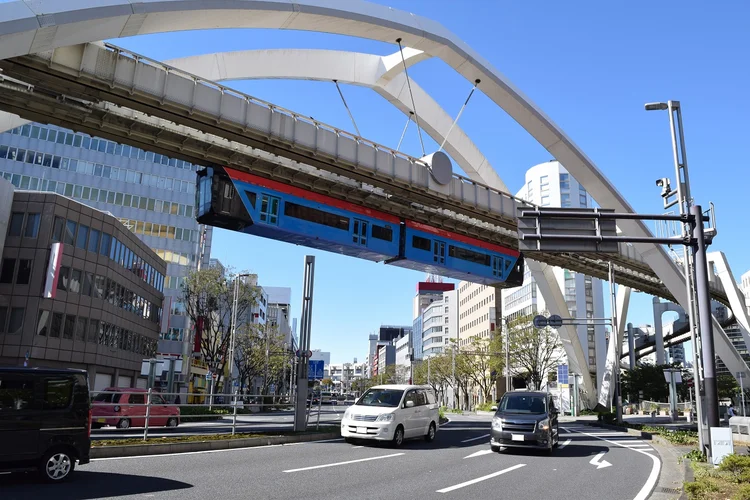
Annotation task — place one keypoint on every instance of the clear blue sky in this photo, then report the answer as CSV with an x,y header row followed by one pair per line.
x,y
589,65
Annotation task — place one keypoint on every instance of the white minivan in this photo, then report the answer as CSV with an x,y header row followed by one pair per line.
x,y
392,413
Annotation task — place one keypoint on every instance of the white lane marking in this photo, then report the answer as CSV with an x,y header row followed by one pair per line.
x,y
599,461
563,445
479,453
216,451
652,477
344,463
480,479
476,438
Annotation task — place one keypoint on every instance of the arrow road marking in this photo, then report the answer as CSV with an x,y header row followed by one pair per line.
x,y
474,439
600,464
479,453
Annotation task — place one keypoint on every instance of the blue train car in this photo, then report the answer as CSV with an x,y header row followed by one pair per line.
x,y
254,205
456,256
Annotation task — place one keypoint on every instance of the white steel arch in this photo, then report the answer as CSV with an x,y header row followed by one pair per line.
x,y
30,27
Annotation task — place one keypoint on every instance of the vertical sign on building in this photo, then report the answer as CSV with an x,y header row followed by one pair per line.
x,y
53,271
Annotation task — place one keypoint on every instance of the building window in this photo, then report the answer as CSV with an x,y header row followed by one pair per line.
x,y
3,318
106,242
582,200
93,241
93,331
55,330
83,232
24,272
9,268
81,329
42,325
57,231
32,226
63,278
70,232
70,325
75,281
16,224
565,200
545,200
564,181
16,320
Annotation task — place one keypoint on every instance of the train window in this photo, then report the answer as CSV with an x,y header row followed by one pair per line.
x,y
316,216
251,197
469,255
228,190
382,232
421,243
269,209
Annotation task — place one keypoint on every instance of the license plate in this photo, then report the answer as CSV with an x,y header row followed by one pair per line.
x,y
361,430
101,420
516,437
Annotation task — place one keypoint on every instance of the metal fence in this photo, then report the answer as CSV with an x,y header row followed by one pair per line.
x,y
133,408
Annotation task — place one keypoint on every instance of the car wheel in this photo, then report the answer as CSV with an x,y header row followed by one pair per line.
x,y
430,436
495,449
398,436
172,422
124,423
56,466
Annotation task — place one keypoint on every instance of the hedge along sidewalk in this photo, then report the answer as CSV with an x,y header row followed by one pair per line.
x,y
205,443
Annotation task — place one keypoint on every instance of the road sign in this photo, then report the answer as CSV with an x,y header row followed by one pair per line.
x,y
721,443
555,231
315,369
208,375
562,374
555,321
540,321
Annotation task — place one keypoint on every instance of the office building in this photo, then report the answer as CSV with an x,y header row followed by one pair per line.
x,y
440,324
77,289
550,185
427,293
278,313
390,333
477,312
344,375
151,194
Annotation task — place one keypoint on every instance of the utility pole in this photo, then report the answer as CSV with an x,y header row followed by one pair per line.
x,y
300,410
615,337
453,367
508,386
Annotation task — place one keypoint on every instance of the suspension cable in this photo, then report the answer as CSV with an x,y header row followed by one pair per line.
x,y
408,82
445,139
347,107
408,119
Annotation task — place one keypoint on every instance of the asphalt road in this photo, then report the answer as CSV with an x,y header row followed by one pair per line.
x,y
590,464
274,421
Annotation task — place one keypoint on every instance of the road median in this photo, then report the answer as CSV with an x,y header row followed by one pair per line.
x,y
134,447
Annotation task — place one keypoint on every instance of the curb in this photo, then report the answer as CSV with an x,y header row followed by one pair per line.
x,y
133,450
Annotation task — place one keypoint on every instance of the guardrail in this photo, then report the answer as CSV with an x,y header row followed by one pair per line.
x,y
125,403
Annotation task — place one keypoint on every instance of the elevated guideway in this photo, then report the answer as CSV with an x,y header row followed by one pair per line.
x,y
104,90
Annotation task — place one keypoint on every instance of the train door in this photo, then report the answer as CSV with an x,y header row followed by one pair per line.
x,y
497,266
359,233
438,252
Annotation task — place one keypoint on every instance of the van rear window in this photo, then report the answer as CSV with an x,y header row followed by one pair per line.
x,y
58,393
15,394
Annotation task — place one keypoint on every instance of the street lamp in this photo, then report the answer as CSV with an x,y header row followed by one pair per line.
x,y
685,202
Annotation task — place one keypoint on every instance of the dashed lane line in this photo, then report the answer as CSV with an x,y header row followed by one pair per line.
x,y
480,479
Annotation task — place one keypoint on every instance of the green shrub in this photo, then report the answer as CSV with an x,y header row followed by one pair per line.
x,y
697,490
694,455
485,406
743,493
441,413
587,412
738,466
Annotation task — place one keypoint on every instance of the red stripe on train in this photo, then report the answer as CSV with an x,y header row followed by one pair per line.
x,y
308,195
463,239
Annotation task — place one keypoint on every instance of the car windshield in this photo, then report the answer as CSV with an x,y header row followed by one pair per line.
x,y
105,397
381,397
526,403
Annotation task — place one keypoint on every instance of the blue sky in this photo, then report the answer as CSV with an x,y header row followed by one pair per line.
x,y
589,65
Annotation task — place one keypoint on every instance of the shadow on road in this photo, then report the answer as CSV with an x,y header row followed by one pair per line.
x,y
85,485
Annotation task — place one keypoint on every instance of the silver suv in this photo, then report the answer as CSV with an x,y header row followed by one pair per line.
x,y
525,419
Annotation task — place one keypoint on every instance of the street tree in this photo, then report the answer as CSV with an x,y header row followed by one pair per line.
x,y
260,354
480,362
645,381
208,298
534,352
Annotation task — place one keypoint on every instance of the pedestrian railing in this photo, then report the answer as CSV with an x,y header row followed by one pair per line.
x,y
131,408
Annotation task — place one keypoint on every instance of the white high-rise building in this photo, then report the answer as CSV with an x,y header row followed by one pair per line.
x,y
439,324
549,184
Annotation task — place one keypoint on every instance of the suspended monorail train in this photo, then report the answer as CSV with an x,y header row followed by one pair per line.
x,y
247,203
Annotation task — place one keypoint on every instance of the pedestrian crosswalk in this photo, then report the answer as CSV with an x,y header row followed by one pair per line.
x,y
617,438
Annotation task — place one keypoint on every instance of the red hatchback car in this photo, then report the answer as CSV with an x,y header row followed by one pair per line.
x,y
124,407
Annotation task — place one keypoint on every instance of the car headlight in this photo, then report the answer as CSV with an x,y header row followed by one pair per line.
x,y
497,424
543,425
347,412
385,417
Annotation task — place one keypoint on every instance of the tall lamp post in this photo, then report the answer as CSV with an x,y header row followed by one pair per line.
x,y
235,302
685,202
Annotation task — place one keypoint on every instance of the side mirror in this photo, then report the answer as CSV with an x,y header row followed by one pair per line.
x,y
493,408
409,404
